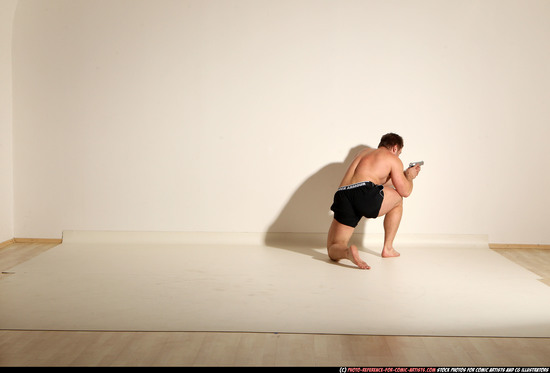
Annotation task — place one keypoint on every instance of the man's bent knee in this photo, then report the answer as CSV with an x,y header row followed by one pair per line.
x,y
392,199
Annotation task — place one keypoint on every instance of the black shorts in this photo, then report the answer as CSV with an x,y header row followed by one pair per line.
x,y
352,202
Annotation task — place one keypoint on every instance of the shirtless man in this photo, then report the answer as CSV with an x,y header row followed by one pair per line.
x,y
374,185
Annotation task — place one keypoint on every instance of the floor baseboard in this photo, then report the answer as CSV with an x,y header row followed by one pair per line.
x,y
37,240
7,243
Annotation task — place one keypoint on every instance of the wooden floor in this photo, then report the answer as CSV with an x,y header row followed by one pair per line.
x,y
90,348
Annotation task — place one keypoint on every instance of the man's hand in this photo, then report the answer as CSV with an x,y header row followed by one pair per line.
x,y
412,172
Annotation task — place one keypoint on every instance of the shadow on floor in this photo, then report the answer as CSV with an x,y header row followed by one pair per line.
x,y
308,210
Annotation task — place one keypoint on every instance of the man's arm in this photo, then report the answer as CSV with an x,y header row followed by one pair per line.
x,y
403,180
389,183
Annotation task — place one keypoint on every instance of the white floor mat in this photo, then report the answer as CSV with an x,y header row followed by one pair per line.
x,y
461,289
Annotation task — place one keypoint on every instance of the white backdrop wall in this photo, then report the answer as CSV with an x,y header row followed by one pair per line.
x,y
7,11
240,116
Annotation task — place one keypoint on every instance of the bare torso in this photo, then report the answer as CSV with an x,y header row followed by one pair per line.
x,y
370,165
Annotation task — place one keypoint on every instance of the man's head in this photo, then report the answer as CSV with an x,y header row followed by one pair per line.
x,y
393,142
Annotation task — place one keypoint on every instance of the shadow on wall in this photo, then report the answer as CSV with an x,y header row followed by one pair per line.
x,y
308,210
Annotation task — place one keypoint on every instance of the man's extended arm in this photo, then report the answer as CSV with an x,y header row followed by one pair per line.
x,y
403,180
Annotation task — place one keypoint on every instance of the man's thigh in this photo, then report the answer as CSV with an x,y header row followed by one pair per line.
x,y
339,233
391,200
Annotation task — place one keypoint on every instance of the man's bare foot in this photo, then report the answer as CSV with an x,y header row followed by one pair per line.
x,y
353,255
389,253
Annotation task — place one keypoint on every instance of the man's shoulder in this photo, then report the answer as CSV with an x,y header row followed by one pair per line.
x,y
385,155
390,159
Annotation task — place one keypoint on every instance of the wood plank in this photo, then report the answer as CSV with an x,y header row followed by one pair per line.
x,y
17,253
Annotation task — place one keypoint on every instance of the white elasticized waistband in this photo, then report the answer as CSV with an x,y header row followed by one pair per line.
x,y
356,185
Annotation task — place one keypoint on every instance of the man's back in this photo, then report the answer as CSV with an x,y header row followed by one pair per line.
x,y
370,165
